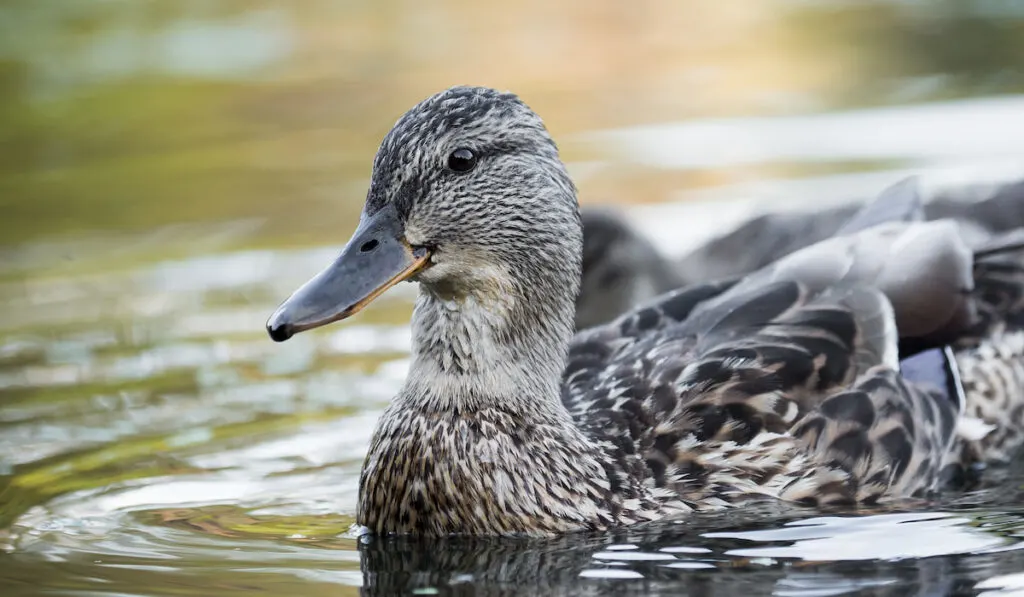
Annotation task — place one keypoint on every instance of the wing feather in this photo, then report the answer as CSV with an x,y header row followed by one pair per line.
x,y
709,403
901,202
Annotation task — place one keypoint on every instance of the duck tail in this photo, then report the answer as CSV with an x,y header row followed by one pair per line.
x,y
937,372
991,358
993,380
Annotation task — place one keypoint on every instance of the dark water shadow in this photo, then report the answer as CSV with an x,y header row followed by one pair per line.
x,y
681,558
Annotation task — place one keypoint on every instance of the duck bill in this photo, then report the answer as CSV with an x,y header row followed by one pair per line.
x,y
375,259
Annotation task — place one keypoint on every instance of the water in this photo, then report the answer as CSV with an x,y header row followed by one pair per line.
x,y
173,169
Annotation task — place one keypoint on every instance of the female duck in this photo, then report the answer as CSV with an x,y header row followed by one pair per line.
x,y
508,424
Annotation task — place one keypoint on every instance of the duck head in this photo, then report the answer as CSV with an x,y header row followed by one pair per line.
x,y
468,196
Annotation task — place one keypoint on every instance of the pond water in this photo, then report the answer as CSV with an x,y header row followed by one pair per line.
x,y
172,170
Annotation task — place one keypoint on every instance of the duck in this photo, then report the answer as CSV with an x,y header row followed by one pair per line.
x,y
785,384
622,268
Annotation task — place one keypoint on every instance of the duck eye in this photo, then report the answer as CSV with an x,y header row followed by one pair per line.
x,y
462,160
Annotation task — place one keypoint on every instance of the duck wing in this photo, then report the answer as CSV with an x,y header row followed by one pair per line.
x,y
901,202
593,351
924,268
740,387
864,251
998,274
981,208
992,206
769,237
775,389
990,355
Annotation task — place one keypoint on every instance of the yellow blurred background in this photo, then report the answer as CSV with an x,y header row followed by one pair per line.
x,y
129,116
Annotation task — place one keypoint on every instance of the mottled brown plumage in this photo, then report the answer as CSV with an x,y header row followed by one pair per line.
x,y
786,383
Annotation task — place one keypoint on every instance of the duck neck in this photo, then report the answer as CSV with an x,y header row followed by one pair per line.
x,y
501,349
478,441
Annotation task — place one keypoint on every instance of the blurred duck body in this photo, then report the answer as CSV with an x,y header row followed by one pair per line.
x,y
622,268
